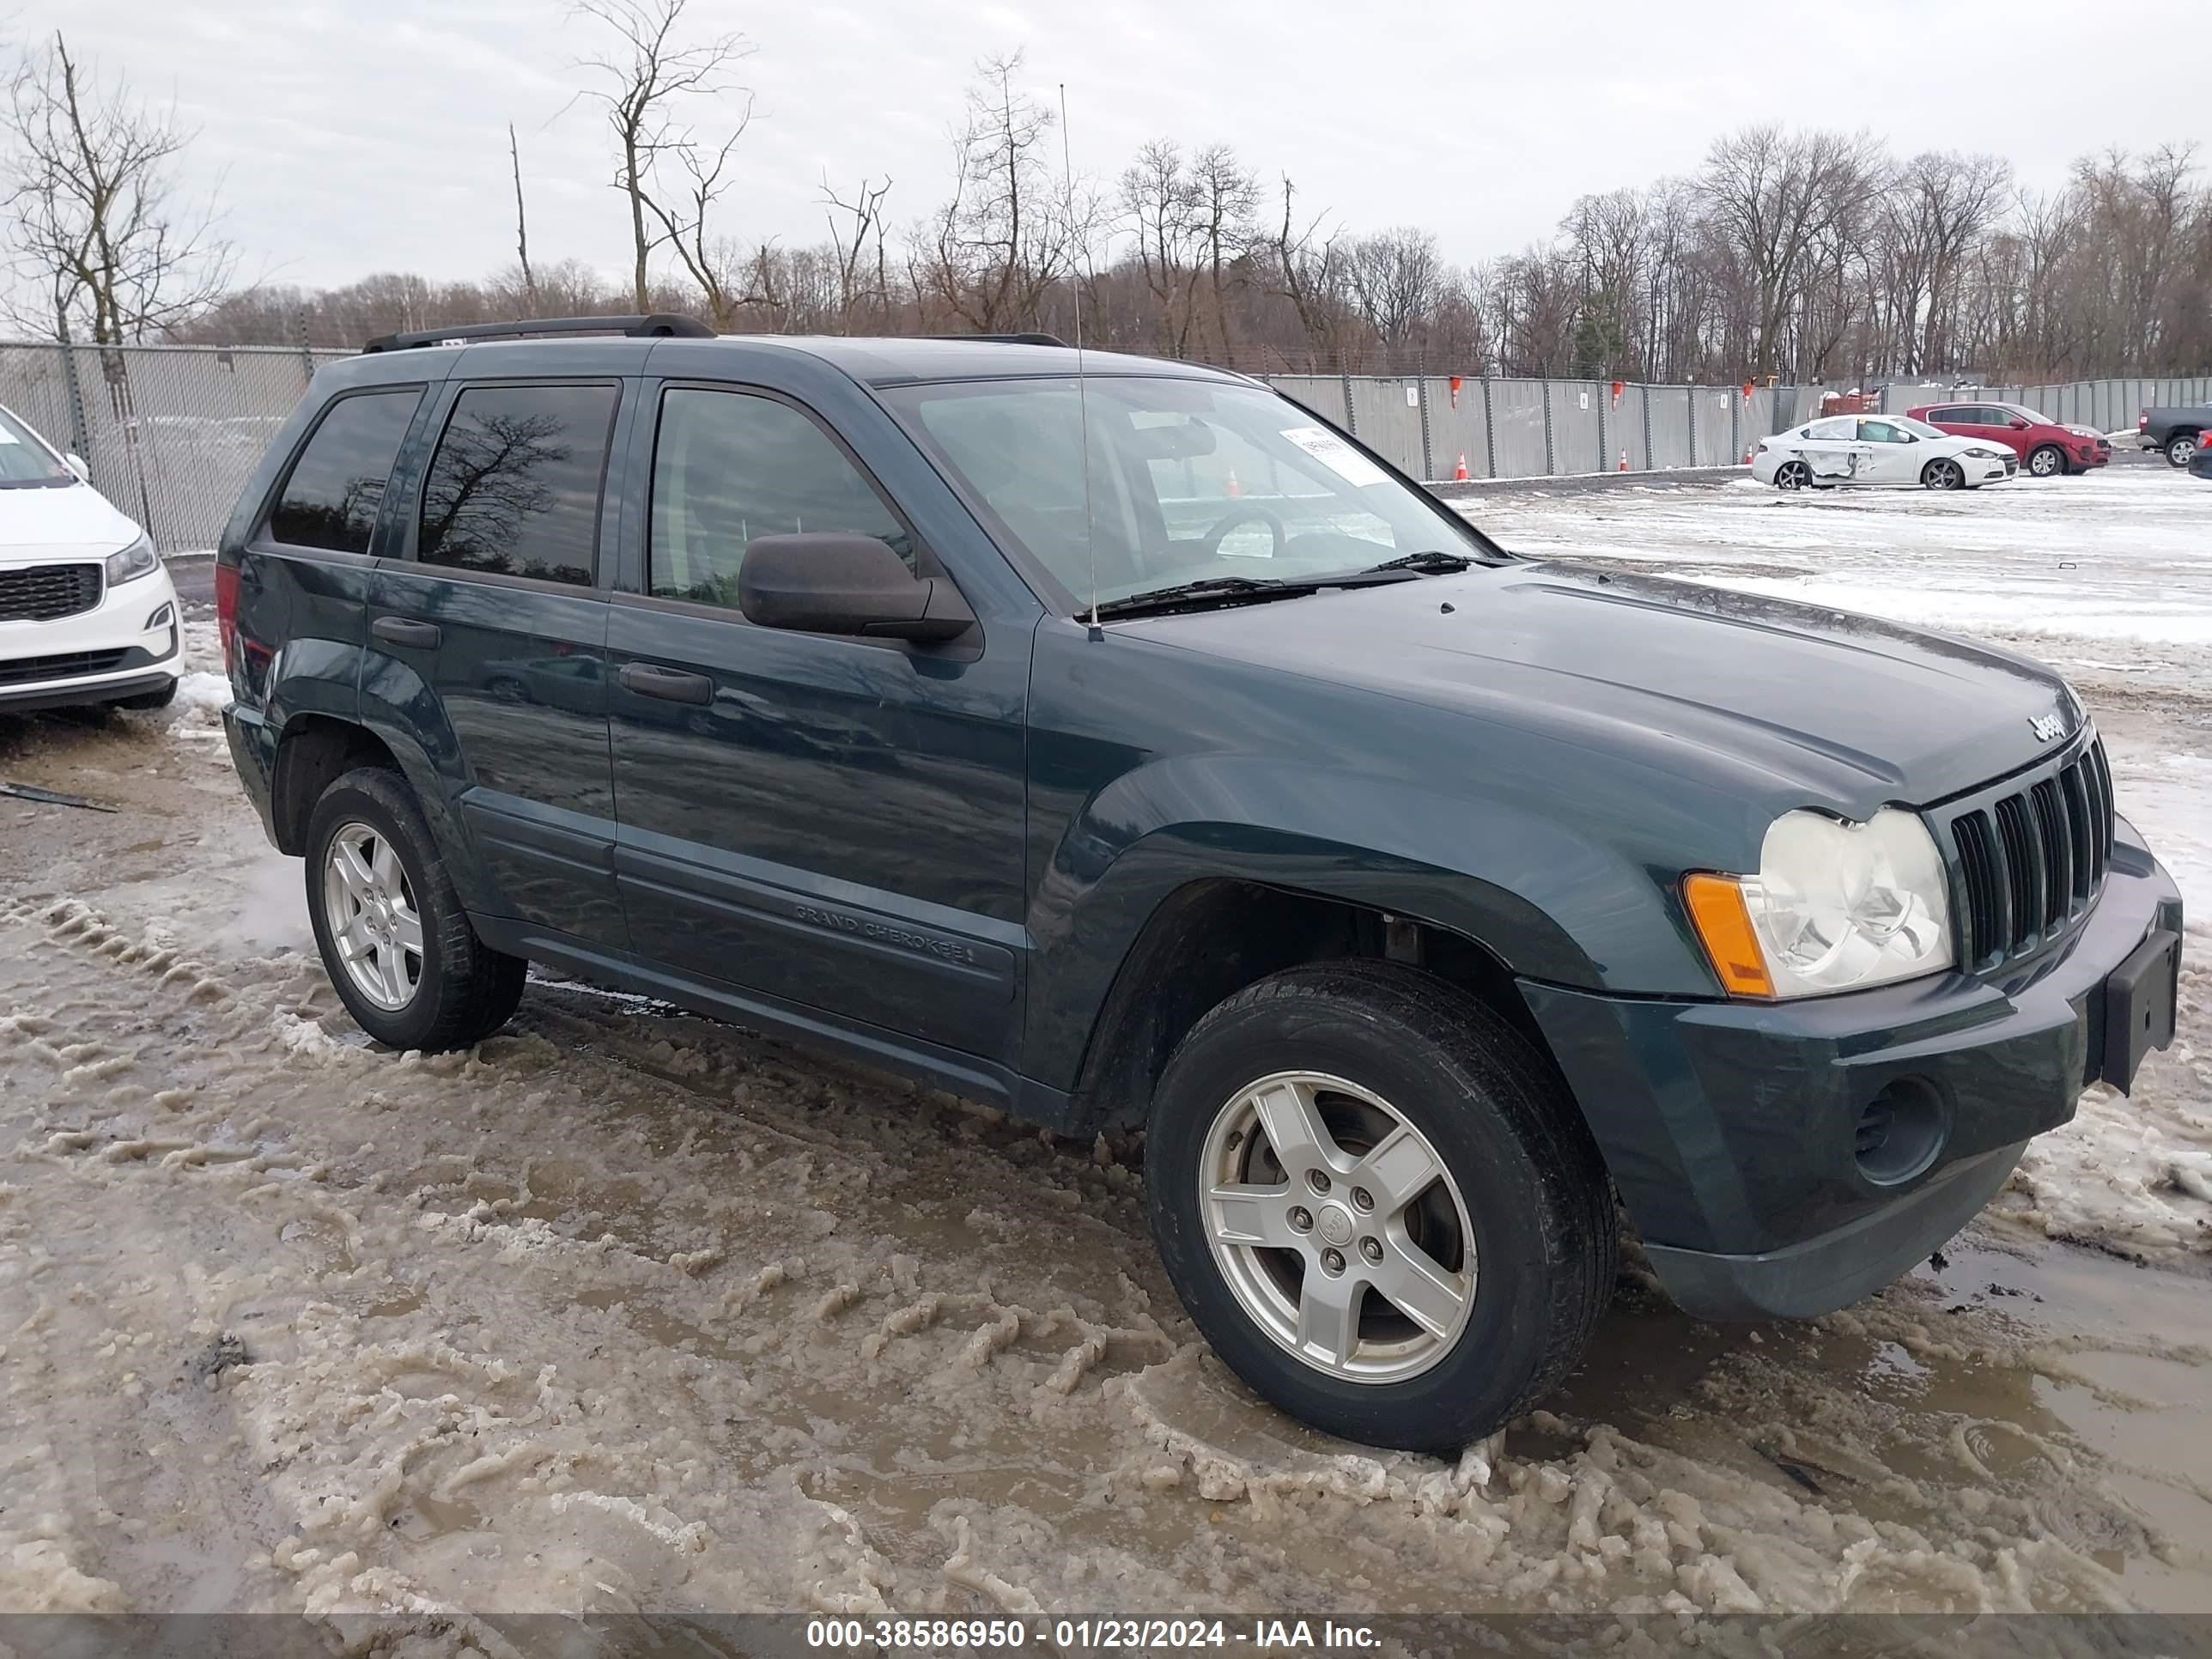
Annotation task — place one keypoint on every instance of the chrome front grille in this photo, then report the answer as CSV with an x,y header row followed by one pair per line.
x,y
2028,857
47,593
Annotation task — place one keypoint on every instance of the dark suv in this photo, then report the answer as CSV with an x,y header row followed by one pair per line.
x,y
1114,741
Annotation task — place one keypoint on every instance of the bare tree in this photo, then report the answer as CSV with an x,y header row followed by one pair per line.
x,y
100,229
522,222
865,213
648,75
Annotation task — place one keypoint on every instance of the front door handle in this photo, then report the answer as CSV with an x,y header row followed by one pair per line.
x,y
401,631
669,684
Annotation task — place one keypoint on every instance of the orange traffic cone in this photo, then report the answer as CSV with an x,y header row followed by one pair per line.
x,y
1747,458
1459,472
1234,488
1623,467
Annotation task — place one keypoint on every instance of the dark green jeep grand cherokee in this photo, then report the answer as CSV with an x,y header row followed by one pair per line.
x,y
1113,742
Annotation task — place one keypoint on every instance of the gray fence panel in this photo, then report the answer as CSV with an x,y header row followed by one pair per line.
x,y
1455,433
1577,426
1518,422
1670,427
1322,394
33,382
1388,422
1708,412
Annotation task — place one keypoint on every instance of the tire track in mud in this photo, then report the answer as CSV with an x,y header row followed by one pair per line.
x,y
645,1292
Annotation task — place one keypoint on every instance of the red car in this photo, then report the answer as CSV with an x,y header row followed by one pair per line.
x,y
2046,448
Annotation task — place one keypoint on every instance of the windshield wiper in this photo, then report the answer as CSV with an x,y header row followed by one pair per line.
x,y
1211,587
1430,563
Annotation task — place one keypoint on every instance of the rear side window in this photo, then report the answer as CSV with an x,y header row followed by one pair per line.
x,y
728,466
514,489
332,498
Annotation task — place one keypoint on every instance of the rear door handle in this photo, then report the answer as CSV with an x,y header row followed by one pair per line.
x,y
400,630
669,684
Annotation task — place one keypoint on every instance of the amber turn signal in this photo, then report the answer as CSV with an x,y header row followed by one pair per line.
x,y
1724,925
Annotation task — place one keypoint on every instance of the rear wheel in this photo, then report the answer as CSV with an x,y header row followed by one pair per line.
x,y
2181,448
1943,473
2045,461
1378,1204
1792,475
398,944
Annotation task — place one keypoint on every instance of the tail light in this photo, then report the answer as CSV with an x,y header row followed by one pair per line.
x,y
2142,422
226,607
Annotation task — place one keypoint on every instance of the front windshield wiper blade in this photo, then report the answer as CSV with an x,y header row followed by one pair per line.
x,y
1211,587
1429,561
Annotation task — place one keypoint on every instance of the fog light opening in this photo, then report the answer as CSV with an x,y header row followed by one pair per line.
x,y
1900,1133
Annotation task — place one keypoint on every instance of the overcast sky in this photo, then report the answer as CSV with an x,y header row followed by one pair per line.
x,y
351,137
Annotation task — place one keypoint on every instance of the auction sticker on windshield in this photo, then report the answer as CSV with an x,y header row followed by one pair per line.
x,y
1338,456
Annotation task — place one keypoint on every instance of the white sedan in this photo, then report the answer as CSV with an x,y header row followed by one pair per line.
x,y
1878,449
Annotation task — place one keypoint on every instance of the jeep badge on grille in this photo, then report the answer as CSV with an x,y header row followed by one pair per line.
x,y
2048,728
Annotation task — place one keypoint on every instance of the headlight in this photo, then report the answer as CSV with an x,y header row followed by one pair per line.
x,y
1980,454
133,562
1834,906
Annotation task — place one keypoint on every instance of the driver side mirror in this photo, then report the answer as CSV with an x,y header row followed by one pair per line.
x,y
2017,425
76,463
856,585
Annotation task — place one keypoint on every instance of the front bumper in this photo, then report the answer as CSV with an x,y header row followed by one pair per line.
x,y
100,655
1731,1128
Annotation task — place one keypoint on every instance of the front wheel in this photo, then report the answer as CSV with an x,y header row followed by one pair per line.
x,y
394,938
1943,473
1378,1204
2181,448
2045,461
1792,475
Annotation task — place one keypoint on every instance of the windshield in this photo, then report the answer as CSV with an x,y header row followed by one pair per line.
x,y
1922,427
24,459
1190,481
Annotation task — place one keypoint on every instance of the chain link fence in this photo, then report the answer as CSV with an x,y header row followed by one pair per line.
x,y
170,433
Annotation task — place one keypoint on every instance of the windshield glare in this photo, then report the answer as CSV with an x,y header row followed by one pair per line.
x,y
1190,481
24,459
1920,427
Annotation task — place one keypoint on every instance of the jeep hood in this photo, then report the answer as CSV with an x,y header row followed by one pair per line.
x,y
38,523
1851,711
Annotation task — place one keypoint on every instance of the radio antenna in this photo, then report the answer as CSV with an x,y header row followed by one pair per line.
x,y
1082,387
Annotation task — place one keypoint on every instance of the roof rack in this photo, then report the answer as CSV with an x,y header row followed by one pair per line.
x,y
660,325
1004,339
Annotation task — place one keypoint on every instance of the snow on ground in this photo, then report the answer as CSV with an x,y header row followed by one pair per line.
x,y
625,1310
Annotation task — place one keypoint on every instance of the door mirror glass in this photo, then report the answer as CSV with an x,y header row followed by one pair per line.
x,y
821,583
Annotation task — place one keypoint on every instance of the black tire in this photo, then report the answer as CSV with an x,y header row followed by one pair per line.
x,y
2046,461
1942,473
1541,1207
2181,448
150,700
1793,476
466,990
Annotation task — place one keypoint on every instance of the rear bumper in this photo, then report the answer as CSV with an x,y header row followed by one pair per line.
x,y
253,752
1731,1128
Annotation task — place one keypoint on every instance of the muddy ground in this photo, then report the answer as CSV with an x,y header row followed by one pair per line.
x,y
626,1310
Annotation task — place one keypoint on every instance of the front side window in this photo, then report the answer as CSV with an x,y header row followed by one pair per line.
x,y
1132,484
1880,432
730,466
514,489
337,486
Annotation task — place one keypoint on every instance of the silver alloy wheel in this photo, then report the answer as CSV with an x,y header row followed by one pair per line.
x,y
1792,475
369,909
1944,474
1338,1230
2043,462
2182,450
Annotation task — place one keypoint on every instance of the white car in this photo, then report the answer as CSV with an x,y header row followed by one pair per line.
x,y
86,611
1878,449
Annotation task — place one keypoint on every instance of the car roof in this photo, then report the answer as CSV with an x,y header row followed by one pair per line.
x,y
872,362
